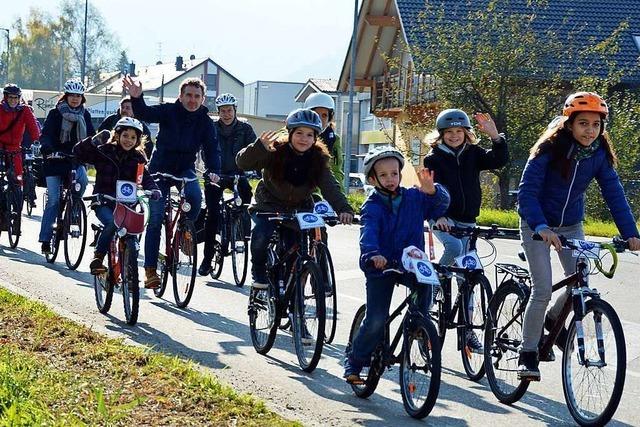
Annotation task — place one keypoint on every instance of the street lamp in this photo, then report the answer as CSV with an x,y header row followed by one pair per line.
x,y
7,63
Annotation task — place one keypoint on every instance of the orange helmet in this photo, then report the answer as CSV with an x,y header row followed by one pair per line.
x,y
585,101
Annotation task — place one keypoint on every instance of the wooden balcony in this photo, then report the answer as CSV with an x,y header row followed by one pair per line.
x,y
394,93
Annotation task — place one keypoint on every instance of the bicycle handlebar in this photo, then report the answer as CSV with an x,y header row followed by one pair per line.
x,y
491,232
173,177
59,155
275,216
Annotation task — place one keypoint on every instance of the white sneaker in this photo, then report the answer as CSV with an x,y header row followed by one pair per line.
x,y
259,285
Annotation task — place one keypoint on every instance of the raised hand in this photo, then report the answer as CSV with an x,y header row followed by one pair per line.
x,y
425,176
268,139
134,88
486,125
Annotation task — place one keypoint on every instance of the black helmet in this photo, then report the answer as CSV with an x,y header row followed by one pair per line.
x,y
12,89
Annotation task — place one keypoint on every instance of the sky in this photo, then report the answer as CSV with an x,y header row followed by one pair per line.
x,y
283,40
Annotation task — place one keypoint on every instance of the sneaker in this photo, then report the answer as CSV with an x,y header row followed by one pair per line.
x,y
550,356
473,343
259,285
205,267
152,280
96,265
528,366
46,248
352,372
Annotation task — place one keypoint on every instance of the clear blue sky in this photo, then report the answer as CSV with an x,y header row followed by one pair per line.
x,y
289,40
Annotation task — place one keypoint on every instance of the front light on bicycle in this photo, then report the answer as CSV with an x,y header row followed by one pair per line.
x,y
77,187
122,232
238,201
186,206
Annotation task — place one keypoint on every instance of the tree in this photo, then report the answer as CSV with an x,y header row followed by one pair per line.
x,y
497,59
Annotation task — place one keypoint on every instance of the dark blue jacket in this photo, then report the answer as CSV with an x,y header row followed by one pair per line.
x,y
546,198
50,142
181,136
384,233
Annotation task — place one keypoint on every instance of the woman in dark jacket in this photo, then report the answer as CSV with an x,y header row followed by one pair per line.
x,y
65,125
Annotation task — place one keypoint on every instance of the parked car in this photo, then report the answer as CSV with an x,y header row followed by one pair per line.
x,y
358,184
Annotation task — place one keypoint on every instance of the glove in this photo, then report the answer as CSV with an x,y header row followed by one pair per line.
x,y
155,195
213,177
101,137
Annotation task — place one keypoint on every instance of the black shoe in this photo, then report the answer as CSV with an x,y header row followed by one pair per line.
x,y
528,366
550,356
46,248
562,336
205,267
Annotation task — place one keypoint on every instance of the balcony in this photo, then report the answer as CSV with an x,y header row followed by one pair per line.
x,y
393,93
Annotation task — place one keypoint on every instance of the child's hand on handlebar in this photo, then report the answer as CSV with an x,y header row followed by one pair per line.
x,y
346,218
634,244
551,238
213,177
379,261
443,224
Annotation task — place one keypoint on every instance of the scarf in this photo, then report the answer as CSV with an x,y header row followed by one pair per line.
x,y
71,116
8,109
582,152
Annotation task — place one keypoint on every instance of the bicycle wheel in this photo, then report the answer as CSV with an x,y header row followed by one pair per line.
x,y
103,287
130,283
165,266
593,389
75,232
370,374
239,251
264,318
217,260
420,368
308,315
330,293
13,216
29,191
185,262
502,339
478,297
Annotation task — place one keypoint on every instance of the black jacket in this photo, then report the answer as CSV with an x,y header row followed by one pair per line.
x,y
110,122
241,136
460,174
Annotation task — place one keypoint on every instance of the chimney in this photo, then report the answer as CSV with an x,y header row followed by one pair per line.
x,y
179,63
132,69
192,57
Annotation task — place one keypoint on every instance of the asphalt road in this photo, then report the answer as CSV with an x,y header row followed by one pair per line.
x,y
213,331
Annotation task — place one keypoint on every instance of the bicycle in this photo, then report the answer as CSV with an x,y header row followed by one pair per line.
x,y
122,257
71,222
594,345
419,355
234,238
471,301
28,180
10,198
178,251
295,289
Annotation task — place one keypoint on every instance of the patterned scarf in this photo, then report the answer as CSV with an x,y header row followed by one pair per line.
x,y
582,152
69,117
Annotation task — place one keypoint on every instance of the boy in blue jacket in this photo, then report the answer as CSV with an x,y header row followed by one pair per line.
x,y
392,219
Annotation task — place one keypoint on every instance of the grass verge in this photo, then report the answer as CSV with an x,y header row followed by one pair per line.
x,y
56,372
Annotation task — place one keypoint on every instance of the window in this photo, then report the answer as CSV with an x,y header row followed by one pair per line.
x,y
211,80
636,38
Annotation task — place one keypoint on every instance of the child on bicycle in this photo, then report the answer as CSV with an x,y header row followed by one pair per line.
x,y
291,171
457,161
392,219
121,157
566,158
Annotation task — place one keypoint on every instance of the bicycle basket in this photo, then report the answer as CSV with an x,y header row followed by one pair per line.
x,y
130,219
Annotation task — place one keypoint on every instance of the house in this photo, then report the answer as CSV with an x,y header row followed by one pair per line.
x,y
384,27
163,80
272,99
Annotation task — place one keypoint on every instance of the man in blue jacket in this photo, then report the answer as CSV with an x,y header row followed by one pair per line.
x,y
185,129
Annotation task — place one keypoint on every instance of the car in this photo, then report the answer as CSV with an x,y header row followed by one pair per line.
x,y
358,184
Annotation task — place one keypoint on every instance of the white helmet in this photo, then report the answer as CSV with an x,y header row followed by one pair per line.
x,y
74,86
381,153
226,99
319,99
129,122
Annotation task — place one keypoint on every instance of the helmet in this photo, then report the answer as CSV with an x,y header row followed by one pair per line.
x,y
321,100
129,122
12,89
226,99
381,153
74,86
304,117
585,101
452,118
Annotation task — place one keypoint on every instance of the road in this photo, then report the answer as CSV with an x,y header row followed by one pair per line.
x,y
213,332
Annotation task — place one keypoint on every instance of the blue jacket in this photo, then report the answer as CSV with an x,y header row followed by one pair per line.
x,y
384,233
546,198
181,136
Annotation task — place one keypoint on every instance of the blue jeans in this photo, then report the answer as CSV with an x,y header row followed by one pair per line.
x,y
371,332
105,215
53,201
453,247
192,193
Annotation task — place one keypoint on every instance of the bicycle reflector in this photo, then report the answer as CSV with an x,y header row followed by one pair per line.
x,y
186,206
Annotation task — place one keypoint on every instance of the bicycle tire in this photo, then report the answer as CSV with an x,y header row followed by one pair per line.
x,y
13,216
501,353
56,236
594,416
185,262
103,287
239,251
437,313
370,374
309,353
428,356
264,318
480,290
130,283
74,223
29,191
165,263
325,262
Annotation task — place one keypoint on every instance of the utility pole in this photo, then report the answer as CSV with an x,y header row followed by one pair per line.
x,y
84,43
352,80
8,50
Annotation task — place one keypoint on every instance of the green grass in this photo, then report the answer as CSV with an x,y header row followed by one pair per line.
x,y
56,372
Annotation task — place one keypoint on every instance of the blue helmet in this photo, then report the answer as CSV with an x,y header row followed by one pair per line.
x,y
304,118
452,118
